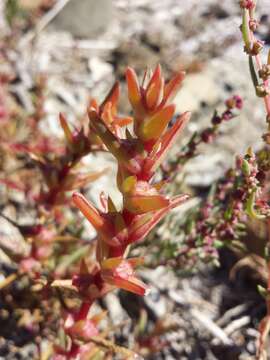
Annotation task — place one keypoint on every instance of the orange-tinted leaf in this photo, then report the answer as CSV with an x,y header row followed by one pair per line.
x,y
166,142
142,204
155,77
134,93
88,210
109,139
123,121
153,128
93,104
94,217
154,91
133,285
111,263
120,273
107,115
143,224
112,97
172,87
135,261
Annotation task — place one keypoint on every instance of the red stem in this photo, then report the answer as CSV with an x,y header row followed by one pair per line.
x,y
83,312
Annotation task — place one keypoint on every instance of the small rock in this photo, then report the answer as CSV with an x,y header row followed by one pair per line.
x,y
99,69
116,311
11,240
156,303
84,18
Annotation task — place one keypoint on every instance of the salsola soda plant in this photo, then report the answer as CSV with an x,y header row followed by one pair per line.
x,y
260,74
139,144
139,152
221,219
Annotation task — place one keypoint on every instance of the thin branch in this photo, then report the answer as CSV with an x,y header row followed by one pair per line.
x,y
44,21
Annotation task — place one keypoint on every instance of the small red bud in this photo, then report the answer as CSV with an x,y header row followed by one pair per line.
x,y
253,24
247,4
238,101
227,115
234,102
207,136
216,120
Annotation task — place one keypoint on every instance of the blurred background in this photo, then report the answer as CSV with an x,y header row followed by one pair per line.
x,y
77,49
82,46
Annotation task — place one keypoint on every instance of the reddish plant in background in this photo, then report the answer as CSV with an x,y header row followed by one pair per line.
x,y
58,170
260,74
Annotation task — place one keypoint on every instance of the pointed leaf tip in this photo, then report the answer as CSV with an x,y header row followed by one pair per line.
x,y
88,210
167,141
112,97
155,88
66,128
172,87
134,93
93,104
155,77
92,113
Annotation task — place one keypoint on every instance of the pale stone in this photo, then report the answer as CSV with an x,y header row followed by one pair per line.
x,y
84,18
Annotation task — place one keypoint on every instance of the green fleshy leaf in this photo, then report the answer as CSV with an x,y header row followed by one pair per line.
x,y
218,244
245,167
250,207
228,213
253,73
